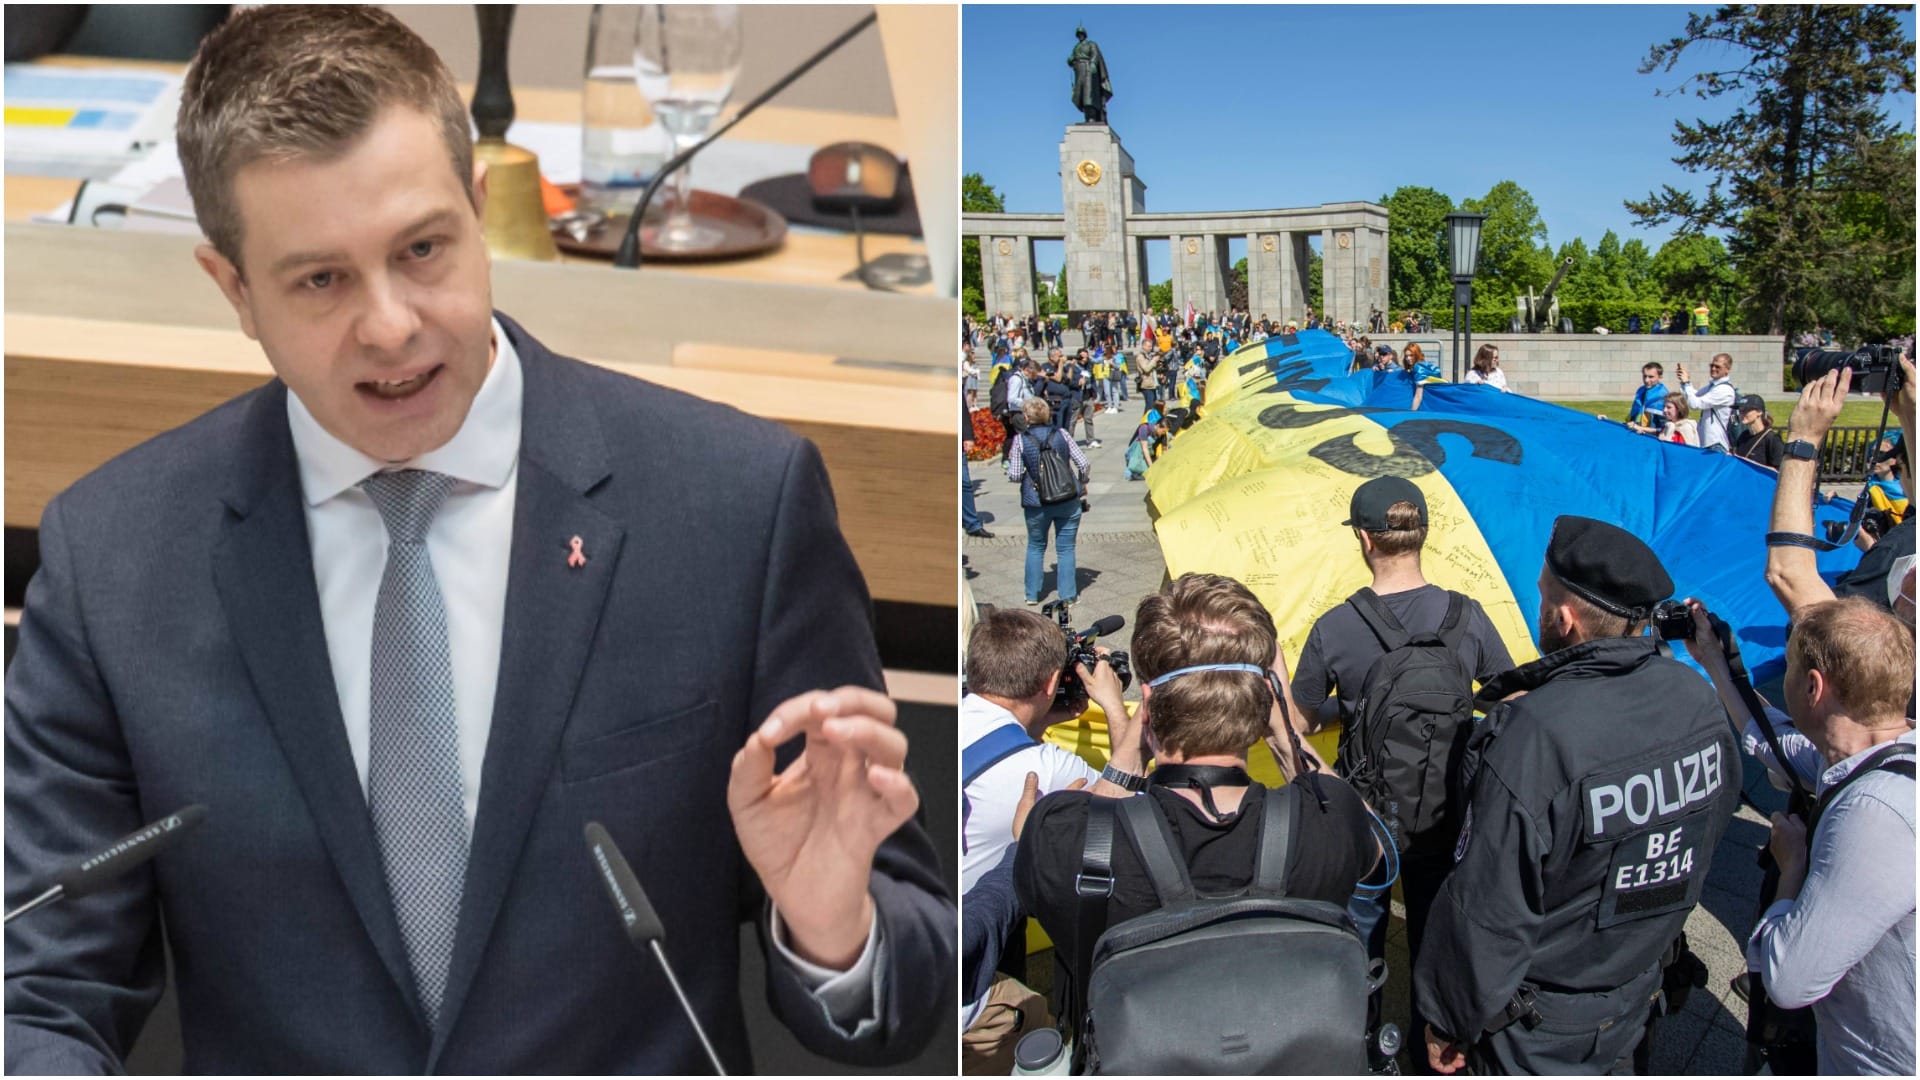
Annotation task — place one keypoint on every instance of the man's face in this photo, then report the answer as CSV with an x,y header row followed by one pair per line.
x,y
1552,639
1719,368
366,284
1649,378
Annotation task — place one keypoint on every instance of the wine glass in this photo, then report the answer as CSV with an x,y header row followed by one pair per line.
x,y
685,59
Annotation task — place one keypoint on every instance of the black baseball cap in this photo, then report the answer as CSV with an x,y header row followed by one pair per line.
x,y
1372,500
1748,403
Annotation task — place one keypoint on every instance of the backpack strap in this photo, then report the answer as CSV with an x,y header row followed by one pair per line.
x,y
983,754
1373,611
1893,758
1276,840
1453,626
1153,839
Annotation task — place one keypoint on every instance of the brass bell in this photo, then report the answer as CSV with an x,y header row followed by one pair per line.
x,y
515,221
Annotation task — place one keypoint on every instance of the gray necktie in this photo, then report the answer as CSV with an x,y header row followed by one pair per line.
x,y
413,755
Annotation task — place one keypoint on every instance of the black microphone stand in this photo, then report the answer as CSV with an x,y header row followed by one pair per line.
x,y
628,257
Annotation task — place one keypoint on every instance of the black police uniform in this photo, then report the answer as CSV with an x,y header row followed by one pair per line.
x,y
1596,801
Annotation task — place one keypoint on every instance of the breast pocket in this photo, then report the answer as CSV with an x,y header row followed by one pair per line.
x,y
652,740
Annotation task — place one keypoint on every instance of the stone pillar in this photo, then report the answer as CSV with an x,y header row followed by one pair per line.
x,y
1136,276
1265,294
1326,273
1007,278
988,285
1098,189
1373,272
1176,248
1218,271
1197,277
1342,265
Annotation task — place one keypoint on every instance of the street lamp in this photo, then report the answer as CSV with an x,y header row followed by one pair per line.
x,y
1463,250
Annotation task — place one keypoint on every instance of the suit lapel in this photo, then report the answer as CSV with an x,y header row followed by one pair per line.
x,y
263,572
553,610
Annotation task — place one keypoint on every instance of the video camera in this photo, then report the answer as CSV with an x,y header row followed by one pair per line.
x,y
1080,650
1876,368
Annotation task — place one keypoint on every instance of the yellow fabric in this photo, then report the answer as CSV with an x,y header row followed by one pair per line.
x,y
1700,315
1879,500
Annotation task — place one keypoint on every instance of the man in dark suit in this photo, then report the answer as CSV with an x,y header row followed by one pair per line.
x,y
408,617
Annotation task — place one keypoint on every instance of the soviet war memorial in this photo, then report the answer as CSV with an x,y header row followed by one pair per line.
x,y
1438,566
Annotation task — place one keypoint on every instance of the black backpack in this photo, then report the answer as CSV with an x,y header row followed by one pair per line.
x,y
1054,480
1402,748
997,397
1255,982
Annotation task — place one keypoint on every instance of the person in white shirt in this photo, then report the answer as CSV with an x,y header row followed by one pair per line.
x,y
1486,368
1015,664
1714,402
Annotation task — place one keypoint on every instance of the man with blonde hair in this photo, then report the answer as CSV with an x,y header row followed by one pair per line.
x,y
410,616
1839,935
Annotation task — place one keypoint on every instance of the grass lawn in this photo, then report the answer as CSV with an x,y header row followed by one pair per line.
x,y
1864,412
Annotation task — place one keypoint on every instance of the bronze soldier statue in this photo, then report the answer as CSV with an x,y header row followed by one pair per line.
x,y
1091,87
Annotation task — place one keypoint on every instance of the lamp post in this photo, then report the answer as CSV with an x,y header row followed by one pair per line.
x,y
1463,251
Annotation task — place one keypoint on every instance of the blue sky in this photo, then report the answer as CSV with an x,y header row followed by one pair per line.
x,y
1263,107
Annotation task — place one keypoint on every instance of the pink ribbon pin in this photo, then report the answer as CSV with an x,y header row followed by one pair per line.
x,y
578,558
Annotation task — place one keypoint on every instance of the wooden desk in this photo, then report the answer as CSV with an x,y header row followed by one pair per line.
x,y
804,259
113,337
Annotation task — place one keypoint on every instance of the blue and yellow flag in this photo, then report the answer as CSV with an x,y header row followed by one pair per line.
x,y
1259,487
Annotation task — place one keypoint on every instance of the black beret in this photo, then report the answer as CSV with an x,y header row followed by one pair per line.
x,y
1607,565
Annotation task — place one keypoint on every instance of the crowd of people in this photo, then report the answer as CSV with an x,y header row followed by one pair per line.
x,y
1551,825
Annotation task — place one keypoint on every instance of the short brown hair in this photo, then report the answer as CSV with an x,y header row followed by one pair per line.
x,y
1863,650
1403,534
1011,654
283,82
1653,367
1484,357
1595,621
1205,619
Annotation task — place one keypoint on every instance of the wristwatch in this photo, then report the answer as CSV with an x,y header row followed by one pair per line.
x,y
1125,779
1804,450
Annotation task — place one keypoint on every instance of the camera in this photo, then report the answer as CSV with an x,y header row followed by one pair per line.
x,y
1875,523
1876,368
1673,620
1080,650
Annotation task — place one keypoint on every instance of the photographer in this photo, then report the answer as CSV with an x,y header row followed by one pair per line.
x,y
1839,935
1791,569
1200,722
1016,662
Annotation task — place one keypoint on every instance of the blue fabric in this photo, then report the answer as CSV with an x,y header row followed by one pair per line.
x,y
1518,463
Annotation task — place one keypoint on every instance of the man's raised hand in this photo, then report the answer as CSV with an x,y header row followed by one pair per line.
x,y
811,830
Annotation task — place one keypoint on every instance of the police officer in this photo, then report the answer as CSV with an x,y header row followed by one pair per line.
x,y
1600,780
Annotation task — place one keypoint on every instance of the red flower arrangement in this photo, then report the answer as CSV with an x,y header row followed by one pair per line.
x,y
988,436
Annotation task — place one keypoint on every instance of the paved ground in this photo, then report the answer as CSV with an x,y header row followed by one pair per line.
x,y
1119,562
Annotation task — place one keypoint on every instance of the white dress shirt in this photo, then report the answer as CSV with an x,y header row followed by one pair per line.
x,y
468,542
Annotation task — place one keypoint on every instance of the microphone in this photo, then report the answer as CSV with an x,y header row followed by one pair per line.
x,y
628,257
93,872
1108,625
641,921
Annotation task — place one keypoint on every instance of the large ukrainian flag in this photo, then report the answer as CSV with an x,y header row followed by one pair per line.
x,y
1258,488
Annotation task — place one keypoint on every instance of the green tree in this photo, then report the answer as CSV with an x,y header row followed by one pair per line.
x,y
1160,297
1237,286
976,196
1418,274
1808,82
1693,267
1055,303
1314,293
1513,245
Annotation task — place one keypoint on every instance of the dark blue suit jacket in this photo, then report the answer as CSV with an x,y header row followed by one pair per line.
x,y
172,652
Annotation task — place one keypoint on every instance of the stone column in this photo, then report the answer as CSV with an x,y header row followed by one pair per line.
x,y
1176,247
989,287
1214,249
1097,190
1136,275
1264,294
1011,259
